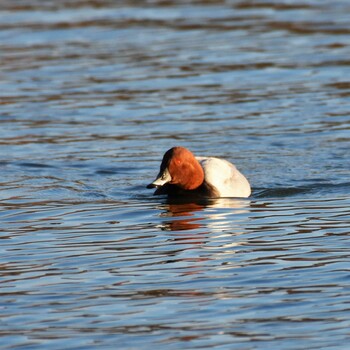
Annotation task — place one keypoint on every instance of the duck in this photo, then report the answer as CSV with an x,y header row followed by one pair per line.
x,y
183,174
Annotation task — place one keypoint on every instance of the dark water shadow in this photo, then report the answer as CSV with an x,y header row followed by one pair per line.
x,y
34,165
313,188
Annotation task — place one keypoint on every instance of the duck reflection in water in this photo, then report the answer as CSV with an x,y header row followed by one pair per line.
x,y
201,225
183,216
194,214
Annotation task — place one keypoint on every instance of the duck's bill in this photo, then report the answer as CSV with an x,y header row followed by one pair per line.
x,y
162,178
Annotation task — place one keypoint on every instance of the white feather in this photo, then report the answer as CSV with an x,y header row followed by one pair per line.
x,y
225,177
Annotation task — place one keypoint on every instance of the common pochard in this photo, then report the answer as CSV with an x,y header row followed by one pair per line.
x,y
183,174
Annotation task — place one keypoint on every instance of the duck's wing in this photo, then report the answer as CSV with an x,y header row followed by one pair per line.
x,y
225,177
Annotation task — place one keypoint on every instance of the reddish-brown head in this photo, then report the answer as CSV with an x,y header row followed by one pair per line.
x,y
179,167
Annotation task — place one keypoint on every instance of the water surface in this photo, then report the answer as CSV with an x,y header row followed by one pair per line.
x,y
93,93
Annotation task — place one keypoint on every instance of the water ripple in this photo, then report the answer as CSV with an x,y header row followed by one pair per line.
x,y
93,93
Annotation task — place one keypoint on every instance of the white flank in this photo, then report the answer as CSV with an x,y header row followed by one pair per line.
x,y
225,177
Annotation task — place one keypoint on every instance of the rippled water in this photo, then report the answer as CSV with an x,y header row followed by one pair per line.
x,y
93,93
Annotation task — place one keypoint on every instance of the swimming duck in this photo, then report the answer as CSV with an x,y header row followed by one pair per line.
x,y
183,174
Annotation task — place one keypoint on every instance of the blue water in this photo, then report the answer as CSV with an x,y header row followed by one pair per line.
x,y
93,93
